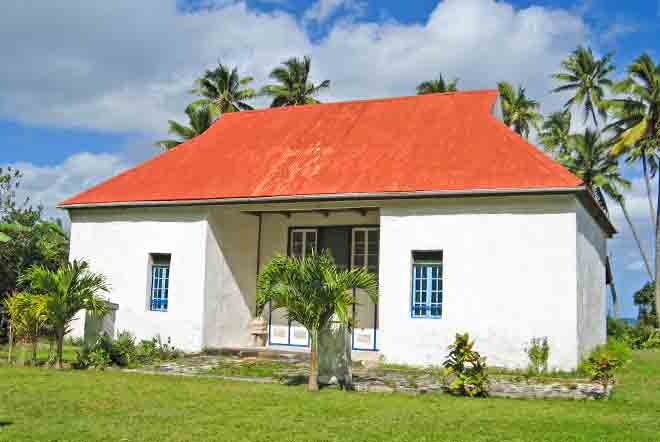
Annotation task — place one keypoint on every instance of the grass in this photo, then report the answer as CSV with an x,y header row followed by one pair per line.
x,y
24,352
48,405
257,368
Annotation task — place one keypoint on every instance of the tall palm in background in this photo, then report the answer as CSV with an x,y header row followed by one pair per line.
x,y
293,85
518,110
224,90
555,132
637,127
71,288
587,77
589,158
313,292
438,85
200,119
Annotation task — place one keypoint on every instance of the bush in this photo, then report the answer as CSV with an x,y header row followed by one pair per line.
x,y
538,353
466,368
124,352
642,336
601,366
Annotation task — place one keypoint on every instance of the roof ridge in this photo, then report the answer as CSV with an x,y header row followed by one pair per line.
x,y
365,100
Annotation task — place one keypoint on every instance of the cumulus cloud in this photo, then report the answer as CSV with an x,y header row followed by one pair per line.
x,y
322,10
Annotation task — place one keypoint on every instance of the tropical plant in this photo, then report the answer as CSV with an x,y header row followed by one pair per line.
x,y
71,288
644,299
437,86
601,365
466,368
538,353
200,119
27,315
519,111
588,157
224,90
294,87
314,293
587,77
554,133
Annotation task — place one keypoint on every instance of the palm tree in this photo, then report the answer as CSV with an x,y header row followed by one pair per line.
x,y
200,117
313,292
637,129
518,110
27,315
589,158
555,132
294,87
437,86
587,77
73,287
224,90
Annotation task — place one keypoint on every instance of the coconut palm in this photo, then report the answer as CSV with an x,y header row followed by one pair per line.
x,y
437,86
27,315
224,90
518,110
555,132
637,127
587,77
589,158
73,287
294,87
200,119
313,292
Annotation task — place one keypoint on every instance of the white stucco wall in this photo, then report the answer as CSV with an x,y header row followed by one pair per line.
x,y
509,275
231,272
117,242
591,288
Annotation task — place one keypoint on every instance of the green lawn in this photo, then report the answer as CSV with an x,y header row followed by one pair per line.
x,y
49,405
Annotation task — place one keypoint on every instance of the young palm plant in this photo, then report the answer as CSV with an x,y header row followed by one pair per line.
x,y
314,293
587,77
518,110
437,86
589,158
27,315
224,90
201,118
73,287
294,87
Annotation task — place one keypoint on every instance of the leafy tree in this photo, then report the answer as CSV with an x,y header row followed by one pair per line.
x,y
9,184
587,77
518,110
437,85
588,157
637,127
293,85
200,119
644,299
555,132
313,292
224,90
69,289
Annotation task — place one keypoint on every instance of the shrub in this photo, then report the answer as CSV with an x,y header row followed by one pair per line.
x,y
644,337
98,358
123,351
601,366
466,368
538,353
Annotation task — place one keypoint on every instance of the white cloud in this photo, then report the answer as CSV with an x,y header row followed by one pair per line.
x,y
323,10
128,66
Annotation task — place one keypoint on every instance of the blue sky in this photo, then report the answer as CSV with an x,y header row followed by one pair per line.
x,y
86,87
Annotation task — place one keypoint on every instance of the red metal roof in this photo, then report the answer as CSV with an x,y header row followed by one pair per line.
x,y
435,142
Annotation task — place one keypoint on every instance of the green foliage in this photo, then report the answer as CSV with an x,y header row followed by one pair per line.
x,y
200,118
125,352
224,90
313,291
605,360
257,368
588,78
644,299
466,368
438,85
27,315
518,111
642,336
538,353
555,132
293,86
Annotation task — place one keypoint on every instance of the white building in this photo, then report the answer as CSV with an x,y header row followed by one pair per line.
x,y
468,226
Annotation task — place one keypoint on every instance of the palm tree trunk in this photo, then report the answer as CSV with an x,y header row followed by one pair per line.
x,y
11,344
35,343
647,181
647,264
313,384
60,346
615,298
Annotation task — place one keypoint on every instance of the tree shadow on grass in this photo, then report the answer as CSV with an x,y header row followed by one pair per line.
x,y
5,423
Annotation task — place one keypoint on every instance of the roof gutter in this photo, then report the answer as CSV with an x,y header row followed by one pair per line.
x,y
585,197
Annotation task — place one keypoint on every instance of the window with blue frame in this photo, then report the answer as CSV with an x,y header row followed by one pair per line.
x,y
160,282
426,294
